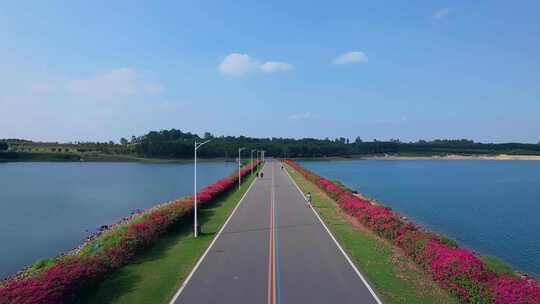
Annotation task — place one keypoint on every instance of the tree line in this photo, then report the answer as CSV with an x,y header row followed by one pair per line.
x,y
177,144
174,143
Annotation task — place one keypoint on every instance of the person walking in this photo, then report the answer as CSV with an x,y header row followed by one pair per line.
x,y
308,199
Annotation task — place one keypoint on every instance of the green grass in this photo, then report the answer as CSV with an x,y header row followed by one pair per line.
x,y
106,240
41,265
393,275
497,265
157,272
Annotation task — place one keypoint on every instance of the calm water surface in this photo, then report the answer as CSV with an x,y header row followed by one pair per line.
x,y
46,208
492,207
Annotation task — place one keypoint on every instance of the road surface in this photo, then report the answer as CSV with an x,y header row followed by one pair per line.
x,y
274,250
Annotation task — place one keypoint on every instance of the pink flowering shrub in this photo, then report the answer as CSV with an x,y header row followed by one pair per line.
x,y
70,274
58,284
513,290
458,270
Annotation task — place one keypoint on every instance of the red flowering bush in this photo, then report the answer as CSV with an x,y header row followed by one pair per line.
x,y
70,274
515,290
456,269
58,284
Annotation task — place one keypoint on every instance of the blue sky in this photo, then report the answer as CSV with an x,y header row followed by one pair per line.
x,y
375,69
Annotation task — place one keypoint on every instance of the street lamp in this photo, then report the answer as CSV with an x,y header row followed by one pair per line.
x,y
239,167
252,160
196,147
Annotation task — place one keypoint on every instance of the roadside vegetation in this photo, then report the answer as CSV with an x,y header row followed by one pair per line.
x,y
156,273
395,278
465,275
62,279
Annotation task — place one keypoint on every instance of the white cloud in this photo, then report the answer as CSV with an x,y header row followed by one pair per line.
x,y
441,13
236,64
351,58
303,116
152,88
275,66
116,83
43,88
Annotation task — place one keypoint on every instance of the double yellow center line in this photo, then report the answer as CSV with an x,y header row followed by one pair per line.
x,y
273,270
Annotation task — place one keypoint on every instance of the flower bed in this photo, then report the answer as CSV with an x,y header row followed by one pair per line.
x,y
69,274
458,270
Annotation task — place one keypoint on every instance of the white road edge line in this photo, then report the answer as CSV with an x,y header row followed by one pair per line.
x,y
338,245
186,281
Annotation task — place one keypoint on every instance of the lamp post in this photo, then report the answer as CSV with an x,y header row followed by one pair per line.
x,y
196,146
252,160
239,167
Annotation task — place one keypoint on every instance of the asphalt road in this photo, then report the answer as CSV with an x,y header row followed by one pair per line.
x,y
274,249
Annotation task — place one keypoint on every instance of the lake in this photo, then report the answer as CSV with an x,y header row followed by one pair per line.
x,y
49,207
492,207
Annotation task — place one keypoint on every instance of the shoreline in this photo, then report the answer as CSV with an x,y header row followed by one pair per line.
x,y
29,271
459,157
426,228
142,159
484,255
430,157
369,212
106,158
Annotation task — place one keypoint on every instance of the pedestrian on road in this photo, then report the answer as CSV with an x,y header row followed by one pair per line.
x,y
308,199
262,174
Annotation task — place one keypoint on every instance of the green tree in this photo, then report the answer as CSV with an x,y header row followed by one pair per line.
x,y
3,146
177,144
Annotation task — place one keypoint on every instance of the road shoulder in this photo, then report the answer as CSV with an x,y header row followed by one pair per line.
x,y
395,278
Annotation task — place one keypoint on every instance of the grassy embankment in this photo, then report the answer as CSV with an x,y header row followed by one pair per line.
x,y
21,157
93,157
393,275
157,272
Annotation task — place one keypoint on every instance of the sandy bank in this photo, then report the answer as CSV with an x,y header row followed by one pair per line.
x,y
458,157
